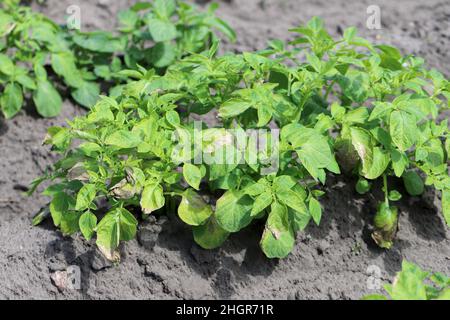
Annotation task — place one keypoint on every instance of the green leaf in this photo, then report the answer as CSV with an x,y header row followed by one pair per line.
x,y
390,51
123,139
261,202
127,224
100,41
26,81
409,283
87,222
380,162
63,63
278,238
316,210
139,6
6,65
264,116
403,129
161,30
380,110
283,182
85,197
87,94
210,235
358,115
59,205
256,189
69,223
152,198
299,220
47,99
192,175
127,20
413,183
193,210
313,151
11,100
233,108
294,200
233,211
165,8
399,162
163,54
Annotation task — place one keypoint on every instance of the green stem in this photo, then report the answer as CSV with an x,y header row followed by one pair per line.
x,y
386,192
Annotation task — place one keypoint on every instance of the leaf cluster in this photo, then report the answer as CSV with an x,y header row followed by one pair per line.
x,y
412,283
40,59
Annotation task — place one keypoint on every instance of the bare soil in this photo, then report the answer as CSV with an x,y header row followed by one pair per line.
x,y
333,261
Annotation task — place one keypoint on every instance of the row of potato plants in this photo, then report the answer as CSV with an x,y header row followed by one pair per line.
x,y
41,60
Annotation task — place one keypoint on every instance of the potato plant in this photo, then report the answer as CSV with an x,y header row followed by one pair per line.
x,y
412,283
286,118
35,51
381,110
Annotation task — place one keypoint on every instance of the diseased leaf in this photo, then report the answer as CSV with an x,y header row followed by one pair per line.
x,y
108,235
152,198
278,237
233,211
192,175
193,210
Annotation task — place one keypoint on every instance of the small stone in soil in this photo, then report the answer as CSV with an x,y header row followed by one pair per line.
x,y
59,279
99,262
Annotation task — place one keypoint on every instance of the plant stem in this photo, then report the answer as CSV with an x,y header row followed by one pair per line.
x,y
386,192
